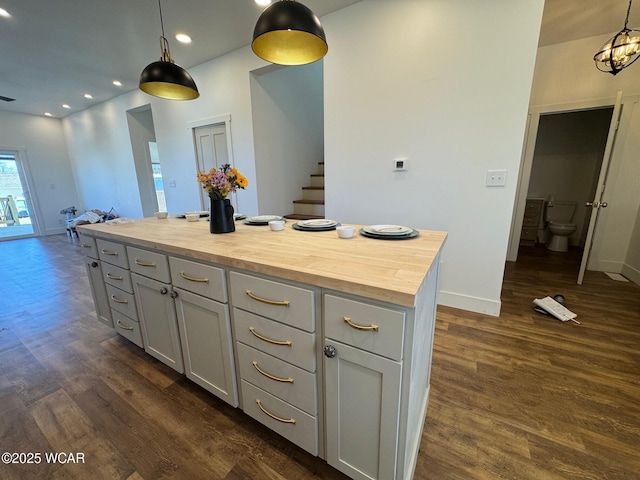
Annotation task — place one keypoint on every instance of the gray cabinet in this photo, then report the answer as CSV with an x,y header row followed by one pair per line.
x,y
98,291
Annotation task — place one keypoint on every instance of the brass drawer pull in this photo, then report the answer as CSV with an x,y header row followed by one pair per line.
x,y
144,264
360,327
109,252
277,379
113,277
191,279
275,342
283,420
123,327
113,297
283,303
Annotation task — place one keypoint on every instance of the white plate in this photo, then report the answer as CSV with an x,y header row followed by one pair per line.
x,y
388,230
202,213
317,223
264,218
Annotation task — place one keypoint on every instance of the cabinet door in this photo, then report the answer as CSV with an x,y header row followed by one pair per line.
x,y
205,334
99,293
157,316
362,399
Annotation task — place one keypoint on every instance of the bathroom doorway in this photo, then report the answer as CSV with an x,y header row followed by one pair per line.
x,y
563,160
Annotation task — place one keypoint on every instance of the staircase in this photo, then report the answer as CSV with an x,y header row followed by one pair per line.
x,y
312,203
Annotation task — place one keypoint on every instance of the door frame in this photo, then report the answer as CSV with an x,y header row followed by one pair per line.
x,y
26,181
528,148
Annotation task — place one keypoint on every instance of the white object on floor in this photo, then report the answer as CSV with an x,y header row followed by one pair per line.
x,y
616,276
556,309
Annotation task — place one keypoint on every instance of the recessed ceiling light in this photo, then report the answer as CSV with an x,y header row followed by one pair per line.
x,y
117,83
183,38
48,114
88,95
263,3
64,105
4,13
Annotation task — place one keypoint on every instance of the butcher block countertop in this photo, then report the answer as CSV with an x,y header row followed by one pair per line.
x,y
386,270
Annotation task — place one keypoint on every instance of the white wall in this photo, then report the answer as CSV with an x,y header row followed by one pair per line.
x,y
631,268
407,78
288,133
565,74
425,81
45,154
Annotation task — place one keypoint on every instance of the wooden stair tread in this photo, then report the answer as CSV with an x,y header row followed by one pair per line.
x,y
312,188
310,202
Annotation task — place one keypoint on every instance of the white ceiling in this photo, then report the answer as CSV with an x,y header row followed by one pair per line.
x,y
54,51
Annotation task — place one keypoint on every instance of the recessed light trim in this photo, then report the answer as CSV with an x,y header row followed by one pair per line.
x,y
117,83
263,3
48,114
66,105
183,38
4,13
88,96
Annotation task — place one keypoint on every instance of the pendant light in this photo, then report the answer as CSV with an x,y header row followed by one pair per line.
x,y
620,51
164,78
289,33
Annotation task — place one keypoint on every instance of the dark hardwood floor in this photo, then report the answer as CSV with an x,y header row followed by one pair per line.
x,y
521,396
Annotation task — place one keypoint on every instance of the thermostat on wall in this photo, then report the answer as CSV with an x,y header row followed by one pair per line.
x,y
400,164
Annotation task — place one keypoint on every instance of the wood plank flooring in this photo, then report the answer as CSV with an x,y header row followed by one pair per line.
x,y
521,396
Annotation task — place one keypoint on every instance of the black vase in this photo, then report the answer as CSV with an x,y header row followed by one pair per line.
x,y
221,217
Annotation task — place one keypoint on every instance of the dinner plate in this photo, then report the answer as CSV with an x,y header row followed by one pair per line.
x,y
202,213
262,219
297,226
317,223
406,236
390,230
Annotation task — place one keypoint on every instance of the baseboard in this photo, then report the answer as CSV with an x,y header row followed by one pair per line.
x,y
631,273
605,266
54,231
472,304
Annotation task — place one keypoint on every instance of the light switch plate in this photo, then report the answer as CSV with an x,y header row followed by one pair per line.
x,y
496,178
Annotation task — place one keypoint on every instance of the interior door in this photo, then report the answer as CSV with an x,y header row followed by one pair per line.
x,y
211,149
599,199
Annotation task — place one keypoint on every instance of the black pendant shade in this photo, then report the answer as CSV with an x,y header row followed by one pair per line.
x,y
167,80
164,78
289,33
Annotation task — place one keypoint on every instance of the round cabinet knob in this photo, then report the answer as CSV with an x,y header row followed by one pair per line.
x,y
330,351
94,264
164,290
174,294
604,204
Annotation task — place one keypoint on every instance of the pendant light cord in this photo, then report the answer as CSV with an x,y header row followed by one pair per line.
x,y
626,19
162,23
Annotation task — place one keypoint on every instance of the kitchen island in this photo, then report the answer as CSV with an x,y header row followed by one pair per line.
x,y
327,341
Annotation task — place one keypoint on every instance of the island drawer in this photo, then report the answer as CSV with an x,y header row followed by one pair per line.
x,y
292,423
281,341
280,301
368,327
118,277
122,302
128,328
112,252
150,264
285,381
89,247
205,280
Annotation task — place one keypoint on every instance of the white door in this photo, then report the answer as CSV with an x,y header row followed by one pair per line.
x,y
599,198
211,150
17,210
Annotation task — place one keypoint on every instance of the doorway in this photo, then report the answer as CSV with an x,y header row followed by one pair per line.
x,y
17,215
212,151
563,162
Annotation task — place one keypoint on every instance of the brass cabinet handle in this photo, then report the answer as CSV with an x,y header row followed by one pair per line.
x,y
275,342
360,327
277,379
113,277
283,303
191,279
109,252
113,297
86,245
283,420
143,264
123,327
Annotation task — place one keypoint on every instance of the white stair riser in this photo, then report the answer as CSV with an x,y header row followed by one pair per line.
x,y
308,209
317,181
312,194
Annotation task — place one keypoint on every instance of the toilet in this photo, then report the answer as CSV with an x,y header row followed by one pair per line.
x,y
558,214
